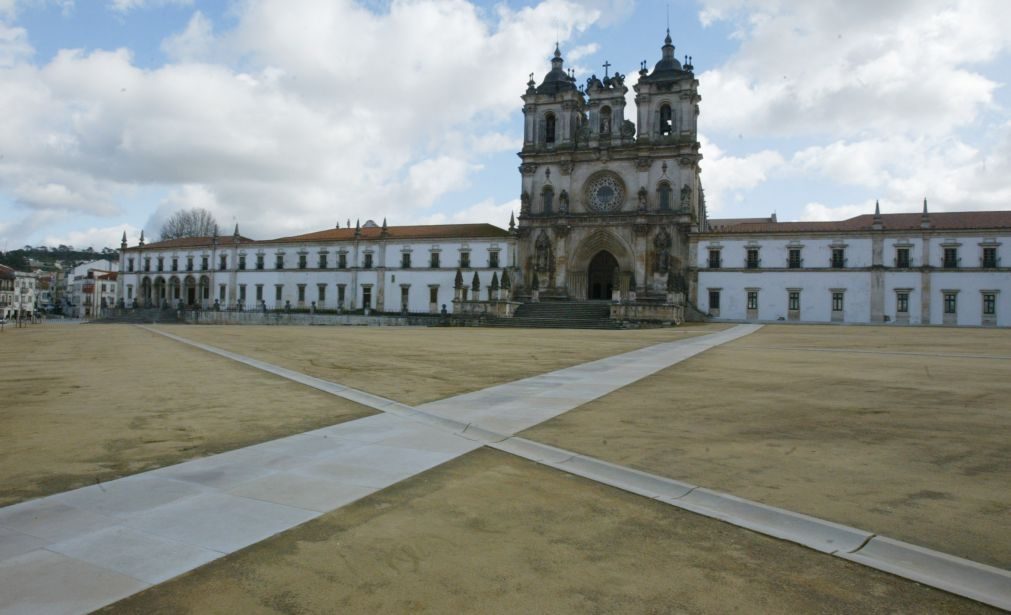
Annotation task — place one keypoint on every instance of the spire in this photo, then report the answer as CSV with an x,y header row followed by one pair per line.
x,y
925,206
142,237
385,230
877,224
925,217
236,233
877,209
123,243
558,51
358,227
512,223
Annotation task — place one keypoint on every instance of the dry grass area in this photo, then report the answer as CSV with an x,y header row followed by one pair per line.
x,y
912,443
415,365
88,403
491,533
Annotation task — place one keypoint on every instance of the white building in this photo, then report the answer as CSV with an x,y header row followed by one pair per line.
x,y
81,294
386,269
7,278
940,268
23,302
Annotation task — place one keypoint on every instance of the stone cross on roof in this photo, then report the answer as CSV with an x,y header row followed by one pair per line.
x,y
607,65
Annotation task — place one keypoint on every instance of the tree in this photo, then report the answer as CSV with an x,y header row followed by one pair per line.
x,y
196,222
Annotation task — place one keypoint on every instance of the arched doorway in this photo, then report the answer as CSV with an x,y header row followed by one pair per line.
x,y
191,291
602,276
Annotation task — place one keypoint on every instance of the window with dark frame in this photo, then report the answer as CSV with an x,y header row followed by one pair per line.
x,y
665,196
301,293
279,261
752,259
259,262
793,258
902,258
321,292
278,289
242,293
990,258
405,260
259,292
433,294
989,304
493,260
465,259
752,299
950,303
714,259
322,261
223,262
303,261
793,301
342,260
175,264
189,263
161,264
434,262
838,258
950,260
242,262
129,264
902,303
368,261
204,263
837,301
714,300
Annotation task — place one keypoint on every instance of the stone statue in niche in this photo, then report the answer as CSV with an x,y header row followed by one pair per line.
x,y
605,125
563,202
525,202
662,244
686,196
643,206
542,258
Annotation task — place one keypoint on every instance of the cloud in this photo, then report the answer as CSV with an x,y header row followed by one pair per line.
x,y
125,6
854,67
14,45
486,211
94,237
724,177
298,114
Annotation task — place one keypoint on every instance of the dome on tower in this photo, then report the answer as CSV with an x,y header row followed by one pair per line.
x,y
668,68
557,80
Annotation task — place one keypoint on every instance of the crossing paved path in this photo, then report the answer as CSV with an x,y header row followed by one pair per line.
x,y
77,551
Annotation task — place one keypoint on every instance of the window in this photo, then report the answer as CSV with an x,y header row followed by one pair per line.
x,y
838,258
950,303
368,260
242,293
340,293
322,261
302,261
342,260
242,262
259,262
161,264
989,304
666,120
279,261
129,292
714,300
837,301
902,303
147,263
433,294
221,292
549,197
321,293
793,300
129,264
752,299
549,128
259,293
434,262
189,263
405,260
204,264
465,259
404,296
278,289
301,293
223,262
990,258
752,260
714,259
175,264
793,260
664,192
493,260
902,258
950,260
367,297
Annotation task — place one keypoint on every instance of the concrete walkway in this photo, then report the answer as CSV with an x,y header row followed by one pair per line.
x,y
77,551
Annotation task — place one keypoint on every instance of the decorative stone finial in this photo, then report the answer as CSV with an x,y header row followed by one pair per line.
x,y
141,237
123,243
512,222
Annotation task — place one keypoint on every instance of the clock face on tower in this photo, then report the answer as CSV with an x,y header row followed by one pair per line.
x,y
604,193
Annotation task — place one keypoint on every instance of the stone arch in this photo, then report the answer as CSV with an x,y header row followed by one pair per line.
x,y
600,241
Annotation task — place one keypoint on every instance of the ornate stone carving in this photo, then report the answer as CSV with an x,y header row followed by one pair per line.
x,y
686,161
543,258
686,196
563,202
627,129
643,164
662,244
643,205
604,193
561,230
528,168
565,168
641,227
525,203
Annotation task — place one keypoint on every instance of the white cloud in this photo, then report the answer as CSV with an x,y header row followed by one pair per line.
x,y
14,45
487,211
337,113
850,68
94,237
125,6
724,176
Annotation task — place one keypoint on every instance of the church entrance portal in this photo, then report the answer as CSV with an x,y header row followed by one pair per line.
x,y
602,276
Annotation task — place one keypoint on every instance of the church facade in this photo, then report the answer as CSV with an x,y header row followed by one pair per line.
x,y
606,208
612,211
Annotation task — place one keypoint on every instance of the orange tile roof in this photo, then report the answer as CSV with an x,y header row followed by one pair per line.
x,y
191,242
942,221
425,231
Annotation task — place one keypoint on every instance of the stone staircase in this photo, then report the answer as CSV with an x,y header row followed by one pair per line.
x,y
560,315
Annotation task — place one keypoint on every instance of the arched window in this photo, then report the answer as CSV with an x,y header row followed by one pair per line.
x,y
549,196
665,193
605,120
666,120
549,128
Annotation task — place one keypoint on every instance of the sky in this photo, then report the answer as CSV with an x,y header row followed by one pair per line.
x,y
289,116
